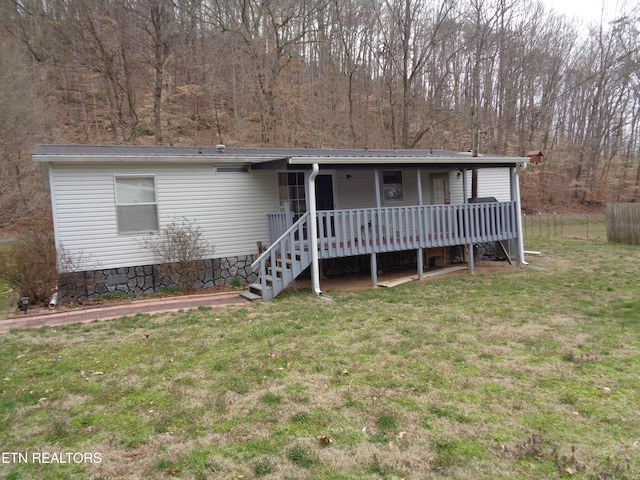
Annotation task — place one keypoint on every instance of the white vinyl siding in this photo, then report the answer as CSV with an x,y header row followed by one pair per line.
x,y
456,194
355,189
492,182
231,210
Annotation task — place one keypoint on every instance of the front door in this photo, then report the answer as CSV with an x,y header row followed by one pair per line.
x,y
440,189
324,191
324,201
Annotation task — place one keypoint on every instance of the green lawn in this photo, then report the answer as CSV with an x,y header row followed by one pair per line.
x,y
525,373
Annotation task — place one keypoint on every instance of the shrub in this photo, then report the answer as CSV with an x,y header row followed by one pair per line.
x,y
179,249
30,267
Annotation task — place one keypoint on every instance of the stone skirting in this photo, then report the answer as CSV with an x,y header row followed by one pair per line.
x,y
147,279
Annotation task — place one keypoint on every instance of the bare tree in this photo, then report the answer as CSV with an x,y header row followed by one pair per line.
x,y
22,122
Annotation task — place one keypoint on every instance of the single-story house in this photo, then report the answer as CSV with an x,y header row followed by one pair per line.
x,y
272,213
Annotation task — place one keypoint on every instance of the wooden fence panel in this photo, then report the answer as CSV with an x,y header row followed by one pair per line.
x,y
623,222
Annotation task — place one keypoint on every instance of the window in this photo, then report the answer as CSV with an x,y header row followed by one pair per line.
x,y
291,190
136,206
392,186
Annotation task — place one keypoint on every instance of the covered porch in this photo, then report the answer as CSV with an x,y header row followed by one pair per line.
x,y
302,239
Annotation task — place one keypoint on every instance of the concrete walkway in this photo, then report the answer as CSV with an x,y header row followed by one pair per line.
x,y
91,314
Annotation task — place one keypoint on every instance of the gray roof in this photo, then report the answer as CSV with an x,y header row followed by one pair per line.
x,y
294,156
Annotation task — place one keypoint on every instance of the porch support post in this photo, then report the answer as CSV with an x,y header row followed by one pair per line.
x,y
313,234
377,228
376,179
467,224
419,252
470,258
374,269
464,185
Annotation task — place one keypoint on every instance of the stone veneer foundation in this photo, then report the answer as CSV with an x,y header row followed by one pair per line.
x,y
146,279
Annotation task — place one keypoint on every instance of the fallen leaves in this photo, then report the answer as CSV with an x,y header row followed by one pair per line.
x,y
324,440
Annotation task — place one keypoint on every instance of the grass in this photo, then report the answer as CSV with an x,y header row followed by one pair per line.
x,y
525,373
7,299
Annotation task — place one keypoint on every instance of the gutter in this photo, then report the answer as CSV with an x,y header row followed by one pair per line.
x,y
520,168
313,220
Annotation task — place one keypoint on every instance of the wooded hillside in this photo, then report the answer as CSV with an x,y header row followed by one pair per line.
x,y
325,73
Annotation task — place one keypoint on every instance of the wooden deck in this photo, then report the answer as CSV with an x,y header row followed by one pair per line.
x,y
344,233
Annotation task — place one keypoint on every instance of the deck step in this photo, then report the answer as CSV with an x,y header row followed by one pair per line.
x,y
249,295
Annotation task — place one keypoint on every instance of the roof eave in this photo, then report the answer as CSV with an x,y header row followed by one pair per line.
x,y
455,160
137,159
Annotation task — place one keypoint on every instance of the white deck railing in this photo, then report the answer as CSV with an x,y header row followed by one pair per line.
x,y
286,258
372,230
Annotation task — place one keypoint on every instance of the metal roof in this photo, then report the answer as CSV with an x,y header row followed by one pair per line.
x,y
159,154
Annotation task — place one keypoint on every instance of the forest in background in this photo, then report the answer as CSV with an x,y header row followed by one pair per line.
x,y
325,74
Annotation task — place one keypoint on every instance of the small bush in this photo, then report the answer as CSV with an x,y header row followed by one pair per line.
x,y
179,249
30,267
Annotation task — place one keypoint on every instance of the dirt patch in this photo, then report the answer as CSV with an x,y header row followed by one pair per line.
x,y
362,281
